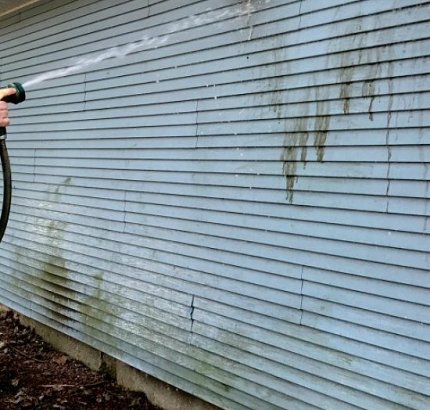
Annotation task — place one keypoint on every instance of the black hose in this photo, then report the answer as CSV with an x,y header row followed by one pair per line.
x,y
7,184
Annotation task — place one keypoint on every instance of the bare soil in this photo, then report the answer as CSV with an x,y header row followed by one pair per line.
x,y
33,375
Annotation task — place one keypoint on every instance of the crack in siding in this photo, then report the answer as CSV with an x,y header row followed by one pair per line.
x,y
192,307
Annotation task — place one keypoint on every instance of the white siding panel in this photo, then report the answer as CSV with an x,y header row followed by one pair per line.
x,y
232,196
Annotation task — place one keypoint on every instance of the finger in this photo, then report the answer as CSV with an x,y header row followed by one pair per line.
x,y
4,122
5,92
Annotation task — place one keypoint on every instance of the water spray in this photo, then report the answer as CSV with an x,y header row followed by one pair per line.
x,y
147,42
16,98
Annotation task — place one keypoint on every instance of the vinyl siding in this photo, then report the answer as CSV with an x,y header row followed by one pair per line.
x,y
240,205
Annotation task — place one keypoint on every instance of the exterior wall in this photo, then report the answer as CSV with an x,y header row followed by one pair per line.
x,y
238,207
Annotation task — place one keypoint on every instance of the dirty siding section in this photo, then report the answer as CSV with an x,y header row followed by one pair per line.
x,y
239,208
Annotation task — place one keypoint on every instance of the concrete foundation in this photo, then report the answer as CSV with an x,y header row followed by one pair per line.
x,y
159,393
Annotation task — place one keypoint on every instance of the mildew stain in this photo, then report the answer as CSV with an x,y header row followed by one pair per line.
x,y
289,169
54,271
322,124
368,90
346,88
294,152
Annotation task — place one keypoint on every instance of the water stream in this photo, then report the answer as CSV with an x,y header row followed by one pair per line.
x,y
145,42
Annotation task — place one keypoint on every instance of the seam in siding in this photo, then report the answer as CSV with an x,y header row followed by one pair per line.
x,y
124,211
197,124
301,295
387,136
85,92
34,165
248,20
300,15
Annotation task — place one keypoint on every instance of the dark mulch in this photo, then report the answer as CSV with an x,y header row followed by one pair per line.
x,y
33,375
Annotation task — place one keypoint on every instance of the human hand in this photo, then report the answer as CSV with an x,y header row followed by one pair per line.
x,y
4,113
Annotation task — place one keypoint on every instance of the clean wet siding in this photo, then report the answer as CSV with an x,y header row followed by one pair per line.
x,y
241,211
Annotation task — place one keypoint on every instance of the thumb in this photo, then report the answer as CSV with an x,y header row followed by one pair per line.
x,y
5,92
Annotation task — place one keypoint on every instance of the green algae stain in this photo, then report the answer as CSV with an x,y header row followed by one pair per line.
x,y
96,310
54,273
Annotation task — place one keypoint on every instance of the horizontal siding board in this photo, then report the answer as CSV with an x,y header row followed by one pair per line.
x,y
69,187
399,154
357,169
161,136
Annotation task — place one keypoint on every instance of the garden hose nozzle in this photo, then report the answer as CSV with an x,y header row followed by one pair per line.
x,y
19,95
16,98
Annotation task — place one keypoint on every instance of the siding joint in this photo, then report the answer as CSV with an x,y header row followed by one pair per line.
x,y
197,124
387,135
300,14
301,296
85,92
